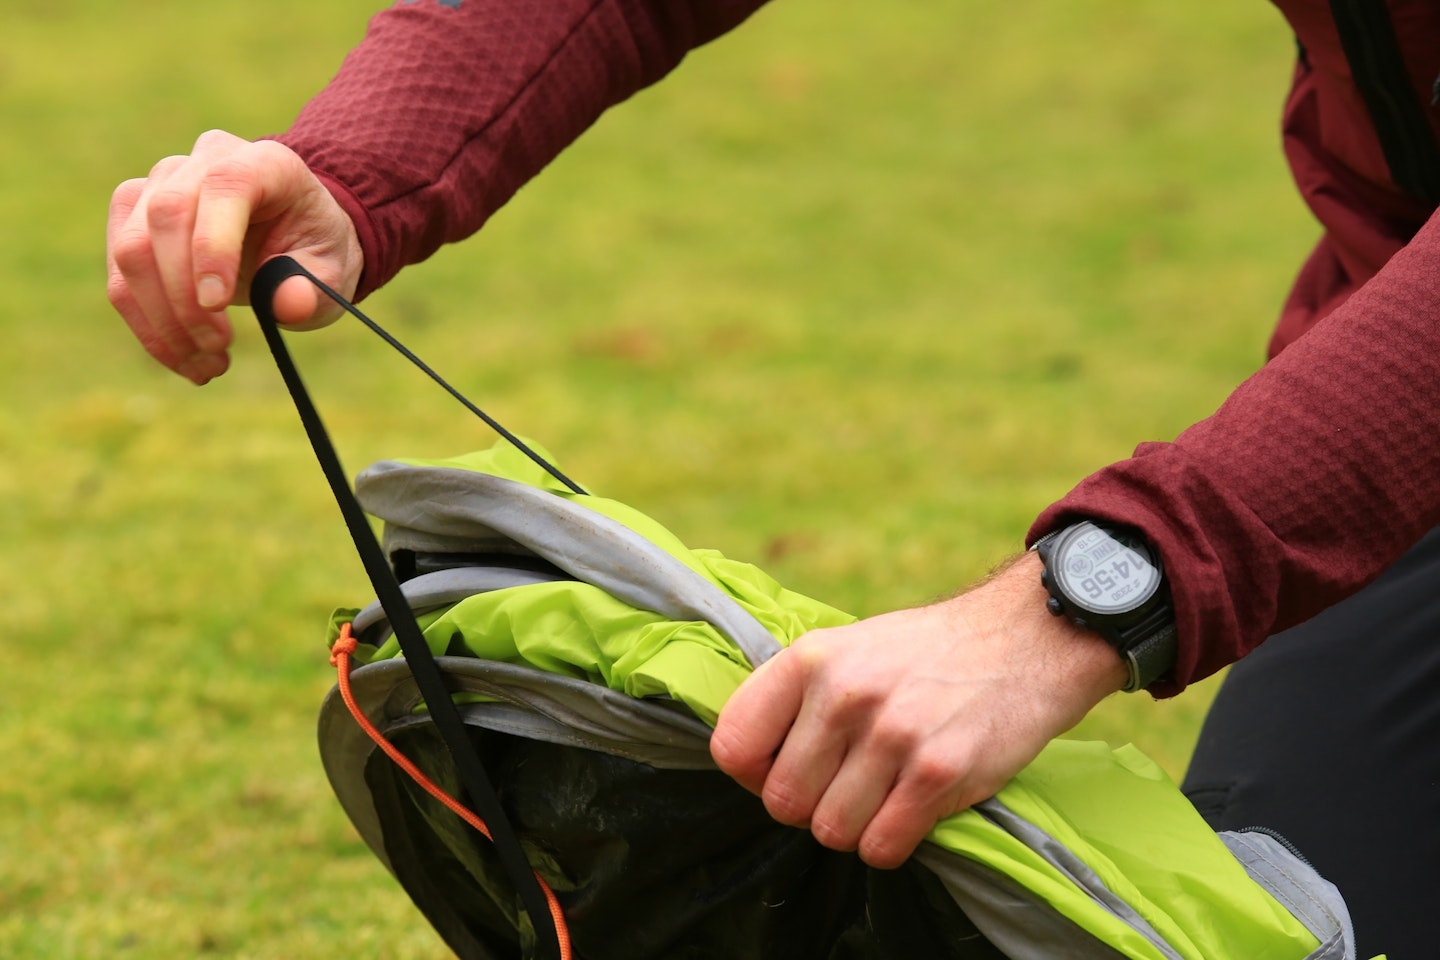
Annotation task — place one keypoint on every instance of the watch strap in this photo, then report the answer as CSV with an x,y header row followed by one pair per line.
x,y
1151,657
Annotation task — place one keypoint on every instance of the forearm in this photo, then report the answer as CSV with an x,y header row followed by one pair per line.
x,y
443,112
1315,474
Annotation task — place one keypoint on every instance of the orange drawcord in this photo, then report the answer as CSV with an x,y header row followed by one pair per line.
x,y
340,659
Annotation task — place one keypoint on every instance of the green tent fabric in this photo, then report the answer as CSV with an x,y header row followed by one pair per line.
x,y
576,621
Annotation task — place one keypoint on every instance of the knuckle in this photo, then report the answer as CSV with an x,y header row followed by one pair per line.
x,y
845,685
894,734
932,773
127,193
846,703
166,165
167,208
210,256
156,347
117,291
884,854
229,177
785,805
834,835
729,752
809,650
216,138
273,151
132,252
889,840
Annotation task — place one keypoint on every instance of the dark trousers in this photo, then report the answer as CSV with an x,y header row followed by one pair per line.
x,y
1330,734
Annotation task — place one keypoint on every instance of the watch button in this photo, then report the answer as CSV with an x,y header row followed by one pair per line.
x,y
1053,605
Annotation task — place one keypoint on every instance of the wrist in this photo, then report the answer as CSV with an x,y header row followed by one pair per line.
x,y
1070,651
1070,668
1109,580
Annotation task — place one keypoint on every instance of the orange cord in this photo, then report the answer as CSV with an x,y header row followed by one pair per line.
x,y
340,659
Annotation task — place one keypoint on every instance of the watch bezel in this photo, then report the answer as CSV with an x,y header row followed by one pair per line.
x,y
1133,550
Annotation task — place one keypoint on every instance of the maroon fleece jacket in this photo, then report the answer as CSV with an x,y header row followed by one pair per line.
x,y
1315,474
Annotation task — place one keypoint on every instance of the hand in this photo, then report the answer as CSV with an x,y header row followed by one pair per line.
x,y
182,244
868,734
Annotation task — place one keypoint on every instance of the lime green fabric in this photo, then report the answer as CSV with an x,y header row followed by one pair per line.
x,y
578,630
1114,808
1120,814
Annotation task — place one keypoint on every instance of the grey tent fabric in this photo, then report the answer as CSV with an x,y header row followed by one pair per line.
x,y
464,514
441,588
446,510
1299,888
547,707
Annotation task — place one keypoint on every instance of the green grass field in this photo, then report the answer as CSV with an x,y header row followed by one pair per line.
x,y
853,295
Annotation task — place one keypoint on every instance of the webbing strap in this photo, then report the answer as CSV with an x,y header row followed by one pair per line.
x,y
428,677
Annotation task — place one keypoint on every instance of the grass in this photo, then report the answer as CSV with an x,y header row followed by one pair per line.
x,y
854,294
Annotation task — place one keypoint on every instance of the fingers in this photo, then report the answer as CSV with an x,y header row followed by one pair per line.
x,y
182,242
931,788
241,184
168,205
822,772
149,248
829,751
756,719
869,734
849,802
139,288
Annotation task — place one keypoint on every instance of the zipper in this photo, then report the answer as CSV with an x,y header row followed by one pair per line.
x,y
1281,839
1368,39
1294,851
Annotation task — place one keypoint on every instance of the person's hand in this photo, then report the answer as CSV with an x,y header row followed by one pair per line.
x,y
868,734
183,243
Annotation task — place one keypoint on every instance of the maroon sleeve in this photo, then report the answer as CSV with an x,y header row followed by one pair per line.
x,y
447,107
1313,476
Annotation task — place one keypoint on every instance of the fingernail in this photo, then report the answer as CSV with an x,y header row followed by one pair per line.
x,y
210,291
201,368
208,339
190,370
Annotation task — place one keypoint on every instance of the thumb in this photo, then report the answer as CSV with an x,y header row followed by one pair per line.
x,y
299,305
294,295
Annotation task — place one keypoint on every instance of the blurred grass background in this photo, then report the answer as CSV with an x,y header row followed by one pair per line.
x,y
853,295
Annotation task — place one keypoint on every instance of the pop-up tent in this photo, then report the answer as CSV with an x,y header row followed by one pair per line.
x,y
555,660
591,650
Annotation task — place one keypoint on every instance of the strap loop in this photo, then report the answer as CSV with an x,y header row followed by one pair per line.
x,y
428,676
275,272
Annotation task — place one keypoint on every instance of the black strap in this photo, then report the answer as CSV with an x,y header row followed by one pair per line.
x,y
1376,64
428,677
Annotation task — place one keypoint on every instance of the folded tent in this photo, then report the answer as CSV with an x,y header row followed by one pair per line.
x,y
590,652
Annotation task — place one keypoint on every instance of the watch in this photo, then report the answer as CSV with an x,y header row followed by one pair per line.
x,y
1110,580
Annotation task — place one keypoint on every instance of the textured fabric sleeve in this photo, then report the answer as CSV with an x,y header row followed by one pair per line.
x,y
447,107
1312,477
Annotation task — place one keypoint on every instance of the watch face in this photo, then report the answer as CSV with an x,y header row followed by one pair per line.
x,y
1104,572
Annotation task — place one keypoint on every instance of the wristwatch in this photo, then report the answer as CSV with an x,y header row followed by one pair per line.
x,y
1110,580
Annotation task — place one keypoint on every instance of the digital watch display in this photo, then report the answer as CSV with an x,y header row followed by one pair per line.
x,y
1110,580
1107,573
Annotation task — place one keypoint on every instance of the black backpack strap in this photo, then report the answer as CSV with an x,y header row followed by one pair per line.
x,y
428,677
1368,38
